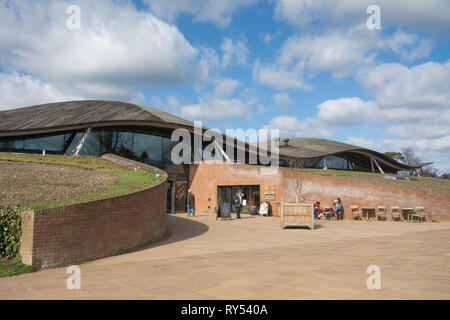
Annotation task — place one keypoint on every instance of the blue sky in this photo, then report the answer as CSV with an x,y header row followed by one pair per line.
x,y
308,68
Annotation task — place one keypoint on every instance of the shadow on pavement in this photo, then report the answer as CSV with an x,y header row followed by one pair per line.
x,y
178,229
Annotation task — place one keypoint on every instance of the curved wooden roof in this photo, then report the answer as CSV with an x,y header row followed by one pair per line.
x,y
69,115
312,147
81,114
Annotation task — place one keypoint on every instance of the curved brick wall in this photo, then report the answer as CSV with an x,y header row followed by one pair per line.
x,y
94,229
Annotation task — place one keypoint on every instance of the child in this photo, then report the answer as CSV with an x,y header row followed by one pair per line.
x,y
316,209
337,204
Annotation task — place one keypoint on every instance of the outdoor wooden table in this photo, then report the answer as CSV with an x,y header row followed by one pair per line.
x,y
326,210
406,213
367,210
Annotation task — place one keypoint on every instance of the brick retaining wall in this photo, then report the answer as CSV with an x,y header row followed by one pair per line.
x,y
206,176
75,233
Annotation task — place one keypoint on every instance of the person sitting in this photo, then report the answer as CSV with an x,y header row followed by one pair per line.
x,y
338,208
316,209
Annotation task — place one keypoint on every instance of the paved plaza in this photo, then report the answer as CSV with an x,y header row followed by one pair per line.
x,y
253,258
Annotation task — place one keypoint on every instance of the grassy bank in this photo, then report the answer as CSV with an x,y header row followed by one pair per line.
x,y
128,180
13,267
425,184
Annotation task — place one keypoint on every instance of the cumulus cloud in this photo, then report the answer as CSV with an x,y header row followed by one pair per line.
x,y
280,77
217,12
116,46
282,100
234,52
292,127
420,87
430,16
213,110
342,53
225,87
18,90
217,104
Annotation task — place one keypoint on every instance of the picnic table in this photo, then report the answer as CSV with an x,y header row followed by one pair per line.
x,y
366,211
327,211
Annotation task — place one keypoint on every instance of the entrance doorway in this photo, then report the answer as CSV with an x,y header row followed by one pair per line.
x,y
170,196
251,194
176,196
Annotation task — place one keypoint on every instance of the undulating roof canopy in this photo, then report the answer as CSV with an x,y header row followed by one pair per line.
x,y
52,117
82,114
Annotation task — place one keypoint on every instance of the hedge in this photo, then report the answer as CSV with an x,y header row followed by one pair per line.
x,y
10,231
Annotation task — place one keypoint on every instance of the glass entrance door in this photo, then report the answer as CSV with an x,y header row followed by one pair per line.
x,y
251,194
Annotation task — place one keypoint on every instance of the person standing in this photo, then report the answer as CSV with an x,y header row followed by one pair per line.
x,y
190,203
238,203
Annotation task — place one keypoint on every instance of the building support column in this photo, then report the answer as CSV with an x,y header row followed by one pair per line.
x,y
81,142
379,168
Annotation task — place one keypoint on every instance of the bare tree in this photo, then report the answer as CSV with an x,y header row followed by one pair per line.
x,y
295,185
409,156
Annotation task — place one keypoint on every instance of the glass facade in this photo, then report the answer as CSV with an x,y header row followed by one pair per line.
x,y
149,147
144,147
153,146
54,144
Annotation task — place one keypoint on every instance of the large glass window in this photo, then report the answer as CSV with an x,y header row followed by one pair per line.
x,y
56,144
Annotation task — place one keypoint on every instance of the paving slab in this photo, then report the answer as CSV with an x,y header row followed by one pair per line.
x,y
253,258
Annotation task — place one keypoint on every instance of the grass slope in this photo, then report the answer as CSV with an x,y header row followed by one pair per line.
x,y
424,184
128,180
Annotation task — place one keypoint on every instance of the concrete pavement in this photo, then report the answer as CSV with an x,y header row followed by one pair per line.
x,y
254,258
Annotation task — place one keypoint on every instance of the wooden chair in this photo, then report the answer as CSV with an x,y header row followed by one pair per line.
x,y
355,212
431,215
419,213
396,213
381,212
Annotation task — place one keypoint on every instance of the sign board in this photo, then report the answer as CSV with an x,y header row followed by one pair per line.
x,y
269,194
225,210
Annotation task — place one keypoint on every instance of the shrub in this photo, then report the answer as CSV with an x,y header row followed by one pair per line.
x,y
10,231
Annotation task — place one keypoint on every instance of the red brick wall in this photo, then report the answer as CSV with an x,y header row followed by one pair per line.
x,y
327,188
94,229
205,178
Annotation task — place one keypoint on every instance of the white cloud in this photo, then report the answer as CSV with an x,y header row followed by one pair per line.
x,y
431,16
282,100
213,110
234,52
365,143
217,12
268,37
418,88
409,46
21,90
225,87
219,104
279,77
117,46
337,52
292,127
348,111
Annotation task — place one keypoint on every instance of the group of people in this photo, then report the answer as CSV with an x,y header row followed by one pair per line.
x,y
337,209
238,201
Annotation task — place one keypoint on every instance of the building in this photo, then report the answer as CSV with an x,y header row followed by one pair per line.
x,y
144,134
